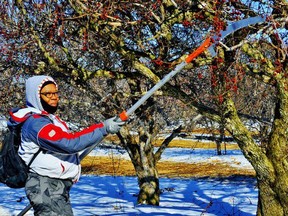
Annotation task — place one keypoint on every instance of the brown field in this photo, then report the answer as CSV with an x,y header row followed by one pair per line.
x,y
194,144
120,167
179,143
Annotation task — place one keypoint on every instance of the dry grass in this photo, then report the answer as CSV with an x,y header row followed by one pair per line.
x,y
179,143
194,144
120,167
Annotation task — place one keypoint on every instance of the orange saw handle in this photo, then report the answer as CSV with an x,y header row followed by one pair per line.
x,y
199,50
123,116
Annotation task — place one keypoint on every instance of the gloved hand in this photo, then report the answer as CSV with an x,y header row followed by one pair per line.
x,y
112,126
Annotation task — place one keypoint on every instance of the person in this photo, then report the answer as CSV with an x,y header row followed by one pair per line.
x,y
56,166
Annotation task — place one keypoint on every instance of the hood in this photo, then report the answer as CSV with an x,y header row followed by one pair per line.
x,y
33,87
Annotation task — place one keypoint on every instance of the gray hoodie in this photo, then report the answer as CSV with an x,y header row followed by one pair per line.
x,y
33,88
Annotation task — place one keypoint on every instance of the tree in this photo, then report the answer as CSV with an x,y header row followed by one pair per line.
x,y
133,44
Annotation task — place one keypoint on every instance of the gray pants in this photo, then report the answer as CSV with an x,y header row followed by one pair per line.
x,y
49,196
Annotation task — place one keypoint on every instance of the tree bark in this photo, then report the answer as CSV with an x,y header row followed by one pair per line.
x,y
149,190
142,157
148,181
273,199
269,203
148,175
271,167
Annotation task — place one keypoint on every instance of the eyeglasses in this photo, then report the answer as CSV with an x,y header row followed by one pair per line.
x,y
50,94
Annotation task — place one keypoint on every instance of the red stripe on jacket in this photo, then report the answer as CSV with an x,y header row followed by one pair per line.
x,y
53,133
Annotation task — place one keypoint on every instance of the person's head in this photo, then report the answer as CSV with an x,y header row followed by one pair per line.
x,y
42,93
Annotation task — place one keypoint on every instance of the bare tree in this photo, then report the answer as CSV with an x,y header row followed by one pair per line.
x,y
126,47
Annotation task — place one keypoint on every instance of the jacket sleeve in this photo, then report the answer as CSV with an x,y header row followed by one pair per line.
x,y
51,137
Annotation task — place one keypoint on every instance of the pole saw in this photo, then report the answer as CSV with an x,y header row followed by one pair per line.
x,y
209,44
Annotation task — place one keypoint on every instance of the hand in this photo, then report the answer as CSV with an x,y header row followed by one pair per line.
x,y
112,125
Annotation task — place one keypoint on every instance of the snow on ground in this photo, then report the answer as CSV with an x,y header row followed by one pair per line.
x,y
108,195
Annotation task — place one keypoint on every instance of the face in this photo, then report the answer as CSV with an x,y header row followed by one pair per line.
x,y
49,94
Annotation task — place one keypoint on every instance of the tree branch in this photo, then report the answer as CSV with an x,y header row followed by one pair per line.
x,y
166,142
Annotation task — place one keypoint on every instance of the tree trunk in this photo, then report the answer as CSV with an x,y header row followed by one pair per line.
x,y
218,146
147,178
271,166
142,157
149,190
147,173
269,202
273,197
